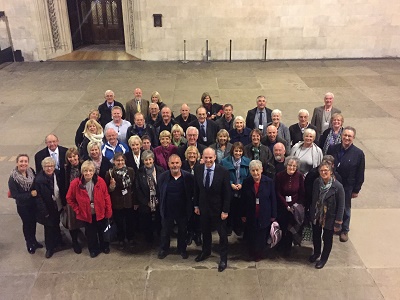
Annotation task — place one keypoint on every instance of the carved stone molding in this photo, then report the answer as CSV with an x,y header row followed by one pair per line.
x,y
54,25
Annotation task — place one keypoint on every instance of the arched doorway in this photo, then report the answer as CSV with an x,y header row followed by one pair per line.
x,y
95,22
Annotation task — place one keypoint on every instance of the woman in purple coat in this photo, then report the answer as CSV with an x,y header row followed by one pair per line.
x,y
163,152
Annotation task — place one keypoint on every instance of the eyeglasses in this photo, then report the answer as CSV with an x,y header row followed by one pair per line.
x,y
48,167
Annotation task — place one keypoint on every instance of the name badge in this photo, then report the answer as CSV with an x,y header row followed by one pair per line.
x,y
288,198
257,200
204,139
124,192
261,127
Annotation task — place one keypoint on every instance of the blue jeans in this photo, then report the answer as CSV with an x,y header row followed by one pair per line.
x,y
347,208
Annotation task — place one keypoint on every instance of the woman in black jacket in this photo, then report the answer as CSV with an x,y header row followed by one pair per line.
x,y
72,171
21,189
147,196
326,213
101,163
50,190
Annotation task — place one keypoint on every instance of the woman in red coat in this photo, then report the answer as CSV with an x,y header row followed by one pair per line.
x,y
88,196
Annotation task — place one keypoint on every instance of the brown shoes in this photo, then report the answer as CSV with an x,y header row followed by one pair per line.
x,y
344,237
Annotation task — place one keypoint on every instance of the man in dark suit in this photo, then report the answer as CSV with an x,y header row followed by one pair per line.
x,y
192,134
297,130
208,129
53,150
260,116
350,164
135,105
322,115
212,194
185,118
176,205
105,108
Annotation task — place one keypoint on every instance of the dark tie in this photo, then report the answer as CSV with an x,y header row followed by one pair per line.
x,y
208,179
202,131
260,122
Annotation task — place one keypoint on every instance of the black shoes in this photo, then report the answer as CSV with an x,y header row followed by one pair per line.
x,y
31,249
94,254
202,256
320,264
162,254
38,245
197,240
106,250
189,239
77,248
222,266
49,253
184,254
313,258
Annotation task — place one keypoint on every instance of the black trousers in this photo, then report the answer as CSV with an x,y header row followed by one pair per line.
x,y
28,217
285,218
235,216
94,234
257,239
327,237
150,222
194,226
166,230
125,220
208,223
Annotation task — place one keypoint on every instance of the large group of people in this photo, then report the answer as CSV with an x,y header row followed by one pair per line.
x,y
145,171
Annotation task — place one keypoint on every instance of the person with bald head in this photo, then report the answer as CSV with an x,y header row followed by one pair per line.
x,y
113,145
53,150
212,199
166,122
185,118
135,105
106,107
279,157
272,138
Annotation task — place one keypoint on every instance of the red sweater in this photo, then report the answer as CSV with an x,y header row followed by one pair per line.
x,y
78,199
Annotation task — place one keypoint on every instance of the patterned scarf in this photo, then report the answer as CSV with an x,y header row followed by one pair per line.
x,y
152,187
75,173
321,208
24,181
256,153
123,174
236,164
332,139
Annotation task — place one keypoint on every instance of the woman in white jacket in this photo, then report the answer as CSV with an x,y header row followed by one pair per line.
x,y
309,154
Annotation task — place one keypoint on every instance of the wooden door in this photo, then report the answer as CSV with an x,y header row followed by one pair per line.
x,y
106,21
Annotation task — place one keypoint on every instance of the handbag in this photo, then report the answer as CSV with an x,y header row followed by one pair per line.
x,y
64,219
110,232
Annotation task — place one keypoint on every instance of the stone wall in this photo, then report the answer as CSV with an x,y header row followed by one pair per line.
x,y
22,21
295,29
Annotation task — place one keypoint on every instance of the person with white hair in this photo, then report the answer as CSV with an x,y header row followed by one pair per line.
x,y
322,114
297,130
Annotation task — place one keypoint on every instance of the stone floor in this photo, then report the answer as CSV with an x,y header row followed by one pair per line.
x,y
39,98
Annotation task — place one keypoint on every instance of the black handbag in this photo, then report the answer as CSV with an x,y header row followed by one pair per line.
x,y
110,232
